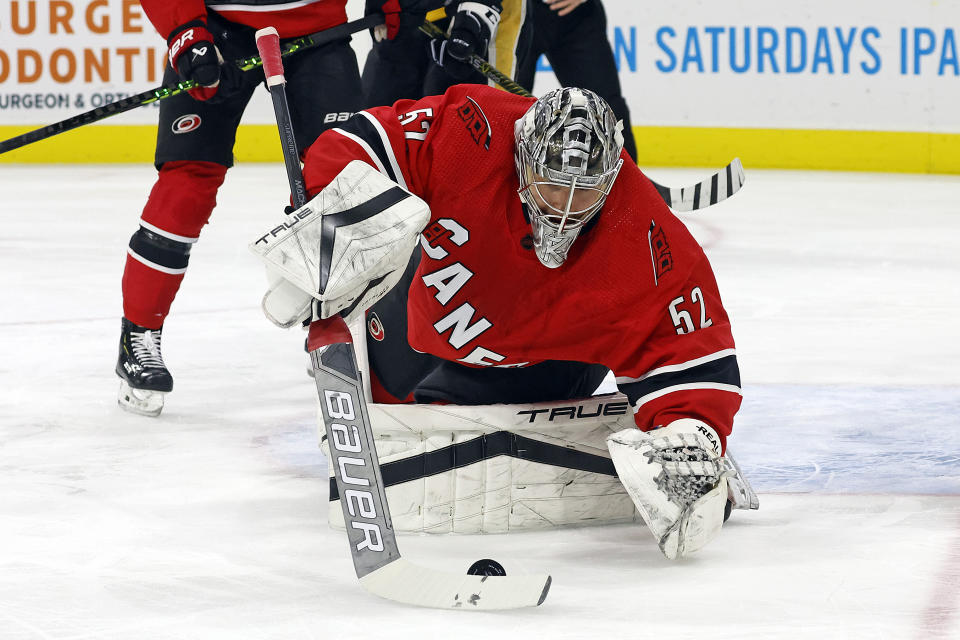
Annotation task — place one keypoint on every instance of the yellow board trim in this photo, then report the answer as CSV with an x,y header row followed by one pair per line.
x,y
658,147
816,149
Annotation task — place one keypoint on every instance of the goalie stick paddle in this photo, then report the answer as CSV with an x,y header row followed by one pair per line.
x,y
168,91
714,189
353,454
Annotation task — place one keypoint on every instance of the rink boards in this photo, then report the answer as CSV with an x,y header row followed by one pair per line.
x,y
821,88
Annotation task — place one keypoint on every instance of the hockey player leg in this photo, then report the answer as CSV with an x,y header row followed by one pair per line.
x,y
677,480
157,257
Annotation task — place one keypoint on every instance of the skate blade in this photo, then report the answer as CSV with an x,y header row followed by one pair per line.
x,y
140,401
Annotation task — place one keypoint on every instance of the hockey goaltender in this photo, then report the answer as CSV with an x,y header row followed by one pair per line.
x,y
497,257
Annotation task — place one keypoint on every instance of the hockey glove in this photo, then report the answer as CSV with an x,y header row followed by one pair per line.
x,y
677,479
399,14
471,30
195,57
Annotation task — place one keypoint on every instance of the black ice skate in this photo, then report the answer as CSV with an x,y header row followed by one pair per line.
x,y
144,378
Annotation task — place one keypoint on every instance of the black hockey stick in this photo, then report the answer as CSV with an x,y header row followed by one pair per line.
x,y
716,188
353,454
167,91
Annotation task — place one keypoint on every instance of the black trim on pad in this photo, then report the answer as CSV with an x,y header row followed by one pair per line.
x,y
500,443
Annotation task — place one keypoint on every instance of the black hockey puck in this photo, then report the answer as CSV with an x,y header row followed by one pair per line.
x,y
486,567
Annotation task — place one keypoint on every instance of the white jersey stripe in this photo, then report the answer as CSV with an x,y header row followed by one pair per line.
x,y
389,149
249,8
167,234
685,387
670,368
154,265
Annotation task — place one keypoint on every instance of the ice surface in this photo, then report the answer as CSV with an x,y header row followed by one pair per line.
x,y
209,522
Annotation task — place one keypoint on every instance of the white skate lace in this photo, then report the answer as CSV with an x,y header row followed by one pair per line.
x,y
146,349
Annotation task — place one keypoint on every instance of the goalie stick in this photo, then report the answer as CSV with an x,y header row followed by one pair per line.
x,y
168,91
716,188
353,455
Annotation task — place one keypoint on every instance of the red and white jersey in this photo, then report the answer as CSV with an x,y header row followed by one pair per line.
x,y
636,293
291,18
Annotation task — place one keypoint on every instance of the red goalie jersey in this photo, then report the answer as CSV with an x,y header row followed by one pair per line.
x,y
636,293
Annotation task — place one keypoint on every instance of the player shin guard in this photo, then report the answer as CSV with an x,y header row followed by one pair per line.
x,y
152,277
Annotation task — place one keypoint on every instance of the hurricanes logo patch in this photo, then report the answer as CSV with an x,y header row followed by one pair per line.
x,y
476,121
186,124
659,251
375,327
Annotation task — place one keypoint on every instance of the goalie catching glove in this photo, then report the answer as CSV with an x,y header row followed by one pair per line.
x,y
677,480
343,250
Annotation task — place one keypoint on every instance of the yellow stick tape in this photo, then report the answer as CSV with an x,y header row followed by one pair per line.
x,y
657,147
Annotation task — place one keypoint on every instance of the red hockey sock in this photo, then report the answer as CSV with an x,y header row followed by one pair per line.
x,y
147,293
179,205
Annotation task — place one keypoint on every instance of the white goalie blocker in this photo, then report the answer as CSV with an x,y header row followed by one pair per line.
x,y
343,250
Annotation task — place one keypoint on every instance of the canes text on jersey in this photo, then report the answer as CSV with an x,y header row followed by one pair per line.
x,y
448,281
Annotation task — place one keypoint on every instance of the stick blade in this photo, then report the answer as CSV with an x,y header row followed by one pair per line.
x,y
403,581
716,188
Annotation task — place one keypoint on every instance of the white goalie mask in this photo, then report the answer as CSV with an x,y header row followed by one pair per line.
x,y
568,147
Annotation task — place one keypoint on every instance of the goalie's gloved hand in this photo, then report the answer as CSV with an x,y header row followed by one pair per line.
x,y
320,263
195,57
676,477
471,29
